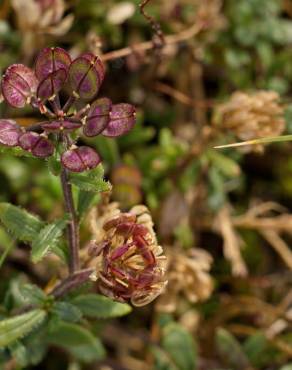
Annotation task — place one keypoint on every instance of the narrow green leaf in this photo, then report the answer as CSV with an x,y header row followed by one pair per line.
x,y
264,140
20,223
230,350
6,251
47,238
17,327
180,346
15,151
98,306
225,164
92,181
85,200
88,183
19,353
67,311
77,340
32,294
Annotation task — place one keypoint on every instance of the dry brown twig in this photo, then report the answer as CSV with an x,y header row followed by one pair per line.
x,y
269,227
148,45
232,241
159,40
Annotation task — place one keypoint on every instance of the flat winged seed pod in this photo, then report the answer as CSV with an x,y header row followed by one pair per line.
x,y
52,84
86,76
9,132
122,120
38,145
80,159
50,60
97,118
18,85
56,126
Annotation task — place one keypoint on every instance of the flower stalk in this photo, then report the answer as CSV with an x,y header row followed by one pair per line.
x,y
73,226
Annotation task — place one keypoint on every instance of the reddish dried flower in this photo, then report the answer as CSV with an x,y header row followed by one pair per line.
x,y
80,79
130,265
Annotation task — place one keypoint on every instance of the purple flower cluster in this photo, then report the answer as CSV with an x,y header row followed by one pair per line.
x,y
54,77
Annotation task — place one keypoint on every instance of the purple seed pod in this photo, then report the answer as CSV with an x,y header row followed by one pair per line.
x,y
50,60
18,85
122,120
38,145
56,126
52,84
86,76
80,159
94,59
9,132
97,118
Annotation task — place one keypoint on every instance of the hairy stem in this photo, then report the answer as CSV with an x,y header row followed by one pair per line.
x,y
73,226
73,281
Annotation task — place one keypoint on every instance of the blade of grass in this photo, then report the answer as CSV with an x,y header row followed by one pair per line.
x,y
6,252
264,140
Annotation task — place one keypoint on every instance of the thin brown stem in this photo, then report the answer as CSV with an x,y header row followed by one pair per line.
x,y
148,45
73,226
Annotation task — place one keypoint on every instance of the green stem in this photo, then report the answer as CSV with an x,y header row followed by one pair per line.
x,y
73,226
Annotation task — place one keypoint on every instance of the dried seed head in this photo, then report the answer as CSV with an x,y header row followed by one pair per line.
x,y
188,276
122,120
250,116
130,265
9,132
80,159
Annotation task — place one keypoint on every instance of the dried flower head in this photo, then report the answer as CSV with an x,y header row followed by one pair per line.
x,y
188,277
56,76
250,116
128,260
36,18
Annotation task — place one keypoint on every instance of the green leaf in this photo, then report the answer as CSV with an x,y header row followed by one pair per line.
x,y
85,200
161,360
97,306
67,311
230,350
32,294
47,238
258,350
225,164
77,340
92,180
180,346
88,183
22,225
54,165
17,327
19,353
17,151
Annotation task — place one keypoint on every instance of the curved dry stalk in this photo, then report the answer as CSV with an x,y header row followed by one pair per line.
x,y
148,45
